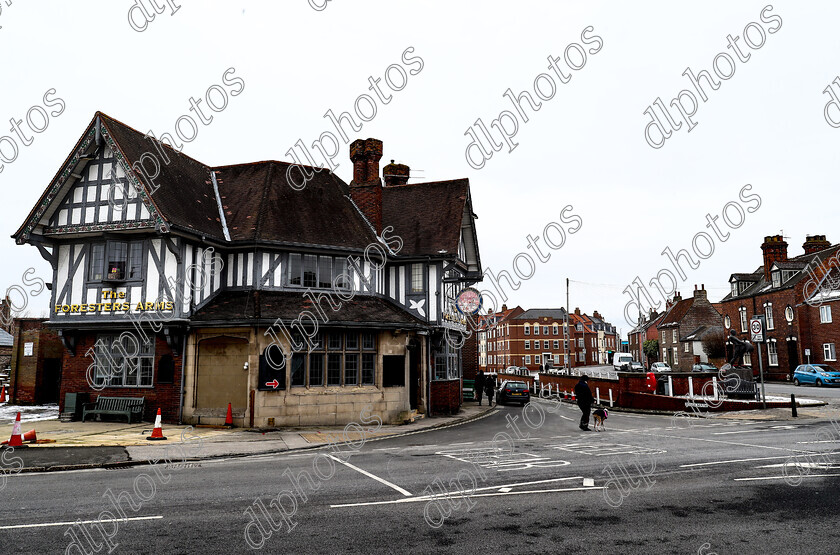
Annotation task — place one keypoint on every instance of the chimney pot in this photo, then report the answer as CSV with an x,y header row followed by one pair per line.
x,y
815,243
395,174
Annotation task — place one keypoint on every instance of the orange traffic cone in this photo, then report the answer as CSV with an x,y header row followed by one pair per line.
x,y
3,394
15,440
157,433
30,436
229,417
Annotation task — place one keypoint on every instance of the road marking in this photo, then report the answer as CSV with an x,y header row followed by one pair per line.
x,y
824,466
784,477
462,494
462,443
505,490
369,475
43,524
631,416
747,460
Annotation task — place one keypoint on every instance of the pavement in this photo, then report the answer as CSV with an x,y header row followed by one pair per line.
x,y
79,445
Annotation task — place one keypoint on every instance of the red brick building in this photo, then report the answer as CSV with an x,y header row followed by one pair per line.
x,y
684,327
796,296
645,331
536,338
35,375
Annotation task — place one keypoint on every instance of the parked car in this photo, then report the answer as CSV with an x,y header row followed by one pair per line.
x,y
659,367
704,367
621,361
817,374
636,366
513,391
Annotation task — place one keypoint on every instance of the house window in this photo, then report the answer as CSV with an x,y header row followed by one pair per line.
x,y
685,349
768,315
527,329
368,368
557,359
555,329
825,315
663,336
416,278
536,329
298,373
316,369
579,327
123,361
734,288
536,359
317,272
673,336
676,355
777,279
545,330
527,359
116,261
828,352
556,344
528,344
545,344
664,354
772,354
333,369
743,313
747,359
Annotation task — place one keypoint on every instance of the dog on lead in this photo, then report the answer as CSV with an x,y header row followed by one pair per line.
x,y
600,416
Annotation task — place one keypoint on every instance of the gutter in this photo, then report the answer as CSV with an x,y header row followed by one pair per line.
x,y
219,204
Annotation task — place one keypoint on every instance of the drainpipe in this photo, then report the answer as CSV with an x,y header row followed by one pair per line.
x,y
183,364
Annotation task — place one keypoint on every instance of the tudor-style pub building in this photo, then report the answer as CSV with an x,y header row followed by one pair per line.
x,y
195,286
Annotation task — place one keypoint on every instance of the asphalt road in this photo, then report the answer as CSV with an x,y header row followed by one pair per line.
x,y
648,484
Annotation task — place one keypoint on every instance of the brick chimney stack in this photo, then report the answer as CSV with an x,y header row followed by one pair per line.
x,y
700,293
577,311
366,187
595,314
815,243
775,250
395,174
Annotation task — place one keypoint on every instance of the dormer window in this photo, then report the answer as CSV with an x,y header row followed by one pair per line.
x,y
777,278
734,288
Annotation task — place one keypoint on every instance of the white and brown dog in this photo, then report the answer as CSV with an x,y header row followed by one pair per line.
x,y
600,416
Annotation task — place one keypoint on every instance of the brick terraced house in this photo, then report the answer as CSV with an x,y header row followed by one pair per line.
x,y
799,299
684,327
196,286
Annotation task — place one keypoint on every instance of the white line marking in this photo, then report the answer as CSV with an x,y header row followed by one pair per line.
x,y
80,522
369,475
631,416
429,498
463,443
505,490
783,477
731,461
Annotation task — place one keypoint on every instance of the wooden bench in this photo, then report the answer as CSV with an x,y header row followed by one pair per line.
x,y
128,406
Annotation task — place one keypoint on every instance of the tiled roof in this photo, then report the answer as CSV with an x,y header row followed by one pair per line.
x,y
266,306
427,216
260,205
676,313
534,313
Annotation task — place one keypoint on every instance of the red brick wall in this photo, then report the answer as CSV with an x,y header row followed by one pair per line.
x,y
469,356
164,396
568,383
445,396
779,299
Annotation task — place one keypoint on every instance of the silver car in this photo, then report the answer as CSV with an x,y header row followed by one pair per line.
x,y
659,367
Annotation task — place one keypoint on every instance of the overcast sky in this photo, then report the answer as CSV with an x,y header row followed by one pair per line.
x,y
585,147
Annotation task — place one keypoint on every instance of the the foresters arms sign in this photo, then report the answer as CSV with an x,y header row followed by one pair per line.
x,y
115,303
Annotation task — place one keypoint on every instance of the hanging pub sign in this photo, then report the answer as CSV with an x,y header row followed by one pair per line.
x,y
468,301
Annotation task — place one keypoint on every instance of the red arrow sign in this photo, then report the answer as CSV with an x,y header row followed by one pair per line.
x,y
273,384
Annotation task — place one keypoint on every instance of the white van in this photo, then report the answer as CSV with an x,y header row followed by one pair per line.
x,y
622,359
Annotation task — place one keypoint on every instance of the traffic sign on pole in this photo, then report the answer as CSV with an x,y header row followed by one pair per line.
x,y
757,329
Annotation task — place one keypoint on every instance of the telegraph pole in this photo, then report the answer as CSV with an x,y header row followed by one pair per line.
x,y
567,360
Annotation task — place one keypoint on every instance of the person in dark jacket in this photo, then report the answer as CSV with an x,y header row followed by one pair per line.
x,y
584,401
489,389
479,386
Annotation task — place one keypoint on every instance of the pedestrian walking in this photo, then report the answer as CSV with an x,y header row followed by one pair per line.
x,y
489,390
584,401
479,386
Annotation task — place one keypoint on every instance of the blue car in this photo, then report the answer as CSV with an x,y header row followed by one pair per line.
x,y
817,374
